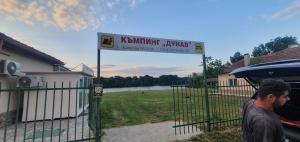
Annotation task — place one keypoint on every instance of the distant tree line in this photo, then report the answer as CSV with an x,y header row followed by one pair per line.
x,y
215,67
163,80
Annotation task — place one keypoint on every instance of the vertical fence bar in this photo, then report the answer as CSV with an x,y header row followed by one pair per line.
x,y
45,105
53,108
191,105
89,101
234,87
243,88
231,103
199,108
178,106
246,94
7,113
68,121
212,93
222,111
217,96
206,92
224,89
99,118
97,122
187,107
83,106
212,108
18,111
61,106
76,108
236,95
174,106
231,96
182,103
215,100
26,117
229,90
231,87
248,91
35,114
195,114
204,117
237,103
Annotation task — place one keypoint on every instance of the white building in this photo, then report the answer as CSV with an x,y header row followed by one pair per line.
x,y
50,70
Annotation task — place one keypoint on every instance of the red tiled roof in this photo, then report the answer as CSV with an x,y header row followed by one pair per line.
x,y
212,79
286,54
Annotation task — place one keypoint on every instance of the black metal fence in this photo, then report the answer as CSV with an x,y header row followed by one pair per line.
x,y
195,110
50,112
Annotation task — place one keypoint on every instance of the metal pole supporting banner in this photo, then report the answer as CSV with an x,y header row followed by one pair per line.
x,y
206,93
98,110
98,63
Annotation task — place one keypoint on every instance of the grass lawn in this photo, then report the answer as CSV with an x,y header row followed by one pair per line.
x,y
138,107
131,108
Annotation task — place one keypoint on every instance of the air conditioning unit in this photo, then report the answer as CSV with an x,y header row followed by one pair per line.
x,y
30,81
9,67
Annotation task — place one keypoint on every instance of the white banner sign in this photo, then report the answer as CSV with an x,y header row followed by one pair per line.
x,y
108,41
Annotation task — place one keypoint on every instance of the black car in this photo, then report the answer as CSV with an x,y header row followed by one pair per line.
x,y
289,71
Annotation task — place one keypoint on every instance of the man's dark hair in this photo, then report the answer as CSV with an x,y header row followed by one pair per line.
x,y
272,86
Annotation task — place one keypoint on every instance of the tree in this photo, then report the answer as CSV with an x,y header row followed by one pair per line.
x,y
260,50
215,67
196,80
146,80
274,45
236,57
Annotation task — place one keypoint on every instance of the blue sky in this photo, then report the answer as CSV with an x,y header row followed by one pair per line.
x,y
67,29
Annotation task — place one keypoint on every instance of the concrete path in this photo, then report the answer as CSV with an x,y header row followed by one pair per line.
x,y
150,132
82,130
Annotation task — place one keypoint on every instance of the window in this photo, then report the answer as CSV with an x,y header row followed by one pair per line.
x,y
232,82
84,93
56,67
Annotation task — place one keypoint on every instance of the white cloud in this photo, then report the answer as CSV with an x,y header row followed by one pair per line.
x,y
288,12
112,3
65,14
133,3
105,66
148,70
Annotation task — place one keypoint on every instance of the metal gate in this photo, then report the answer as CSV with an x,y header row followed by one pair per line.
x,y
51,112
216,105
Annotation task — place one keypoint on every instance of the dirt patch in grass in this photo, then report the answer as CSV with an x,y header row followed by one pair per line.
x,y
226,135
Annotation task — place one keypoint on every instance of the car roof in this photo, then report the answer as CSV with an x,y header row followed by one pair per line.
x,y
284,68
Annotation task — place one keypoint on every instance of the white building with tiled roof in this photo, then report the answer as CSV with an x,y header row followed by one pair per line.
x,y
36,63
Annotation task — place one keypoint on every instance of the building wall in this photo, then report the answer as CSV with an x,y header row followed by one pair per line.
x,y
242,87
8,108
28,64
224,80
4,95
60,110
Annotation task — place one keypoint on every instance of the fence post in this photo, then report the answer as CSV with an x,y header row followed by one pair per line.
x,y
97,121
206,93
98,109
